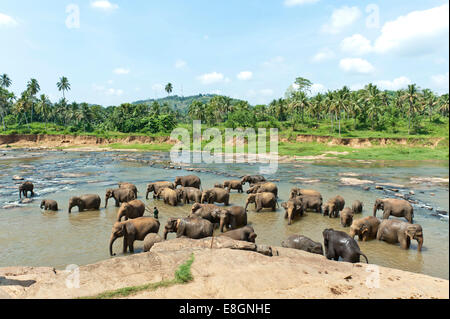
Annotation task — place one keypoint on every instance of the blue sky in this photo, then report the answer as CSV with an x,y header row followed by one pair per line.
x,y
122,51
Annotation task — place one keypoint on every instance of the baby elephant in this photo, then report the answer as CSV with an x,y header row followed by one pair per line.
x,y
334,206
365,228
49,204
346,217
85,202
246,233
191,227
357,207
131,210
24,188
339,244
303,243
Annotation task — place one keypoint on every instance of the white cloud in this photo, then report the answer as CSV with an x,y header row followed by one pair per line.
x,y
317,88
356,65
323,55
7,21
179,64
440,81
210,78
104,5
274,61
121,71
107,91
356,45
341,18
396,84
417,32
292,3
245,75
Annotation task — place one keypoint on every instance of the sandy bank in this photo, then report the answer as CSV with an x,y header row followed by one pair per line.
x,y
230,270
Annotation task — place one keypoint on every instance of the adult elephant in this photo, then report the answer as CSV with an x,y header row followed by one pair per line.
x,y
120,195
253,179
246,233
156,186
293,208
131,210
131,230
85,202
191,227
365,228
357,207
24,188
188,181
216,195
49,204
303,243
234,184
267,187
334,206
232,218
311,203
168,195
346,217
188,194
295,191
129,186
395,231
205,211
339,244
395,207
262,200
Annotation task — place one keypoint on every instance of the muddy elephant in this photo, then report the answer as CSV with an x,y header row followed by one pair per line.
x,y
131,230
246,233
129,186
346,217
267,187
395,231
293,208
303,243
205,211
231,218
156,186
168,195
394,207
188,181
49,204
131,210
339,244
85,202
365,228
253,179
295,191
24,188
262,200
189,194
234,184
120,195
191,227
150,240
333,207
357,207
216,195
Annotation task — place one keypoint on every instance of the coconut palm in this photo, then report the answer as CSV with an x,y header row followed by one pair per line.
x,y
411,96
33,88
63,85
169,88
5,81
43,108
340,104
444,104
429,101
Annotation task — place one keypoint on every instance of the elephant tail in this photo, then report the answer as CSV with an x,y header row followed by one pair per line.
x,y
367,260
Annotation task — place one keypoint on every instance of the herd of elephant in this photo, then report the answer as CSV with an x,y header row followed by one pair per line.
x,y
232,221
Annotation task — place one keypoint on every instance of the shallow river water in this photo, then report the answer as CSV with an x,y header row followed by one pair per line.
x,y
32,237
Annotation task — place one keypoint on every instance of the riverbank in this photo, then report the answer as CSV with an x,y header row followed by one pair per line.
x,y
288,273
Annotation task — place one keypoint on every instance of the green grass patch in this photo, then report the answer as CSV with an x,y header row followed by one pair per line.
x,y
165,147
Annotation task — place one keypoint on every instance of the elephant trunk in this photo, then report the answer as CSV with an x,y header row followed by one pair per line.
x,y
146,194
375,208
222,224
420,243
70,208
165,234
106,201
111,242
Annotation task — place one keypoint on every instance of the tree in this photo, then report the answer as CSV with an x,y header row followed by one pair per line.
x,y
410,96
429,101
33,88
5,81
63,85
43,108
340,104
169,88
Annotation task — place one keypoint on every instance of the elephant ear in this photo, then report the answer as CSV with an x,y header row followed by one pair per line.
x,y
363,229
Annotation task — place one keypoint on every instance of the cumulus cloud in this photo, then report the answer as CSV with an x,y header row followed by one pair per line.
x,y
104,5
7,21
356,45
179,64
440,81
396,84
292,3
323,55
341,18
211,78
245,75
356,65
121,71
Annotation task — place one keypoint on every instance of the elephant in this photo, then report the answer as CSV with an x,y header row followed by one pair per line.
x,y
187,194
156,186
121,195
395,231
357,207
292,207
205,211
264,188
216,195
232,218
312,203
334,206
168,195
191,227
233,184
49,204
339,244
394,207
246,233
131,230
129,186
150,240
188,181
85,202
365,228
24,188
218,185
346,217
131,210
303,243
295,191
253,179
262,200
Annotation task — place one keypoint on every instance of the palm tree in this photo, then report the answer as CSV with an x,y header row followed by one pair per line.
x,y
411,96
298,103
341,104
444,104
169,88
430,100
197,110
5,81
63,85
371,97
43,108
33,88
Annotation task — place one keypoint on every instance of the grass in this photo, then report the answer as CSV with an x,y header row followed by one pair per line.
x,y
183,275
164,147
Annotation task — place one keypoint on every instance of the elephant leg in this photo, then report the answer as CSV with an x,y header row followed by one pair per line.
x,y
405,243
117,203
125,245
386,214
131,245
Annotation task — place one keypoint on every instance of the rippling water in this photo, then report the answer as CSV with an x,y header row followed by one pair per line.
x,y
32,237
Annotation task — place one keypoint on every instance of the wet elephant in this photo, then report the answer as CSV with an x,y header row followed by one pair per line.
x,y
253,179
188,181
205,211
189,194
168,195
129,186
85,202
295,191
150,240
156,186
266,187
131,210
293,208
365,228
311,203
262,200
357,207
246,233
26,187
191,227
230,218
334,206
234,184
394,207
131,230
303,243
395,231
339,244
346,217
120,195
216,195
49,204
